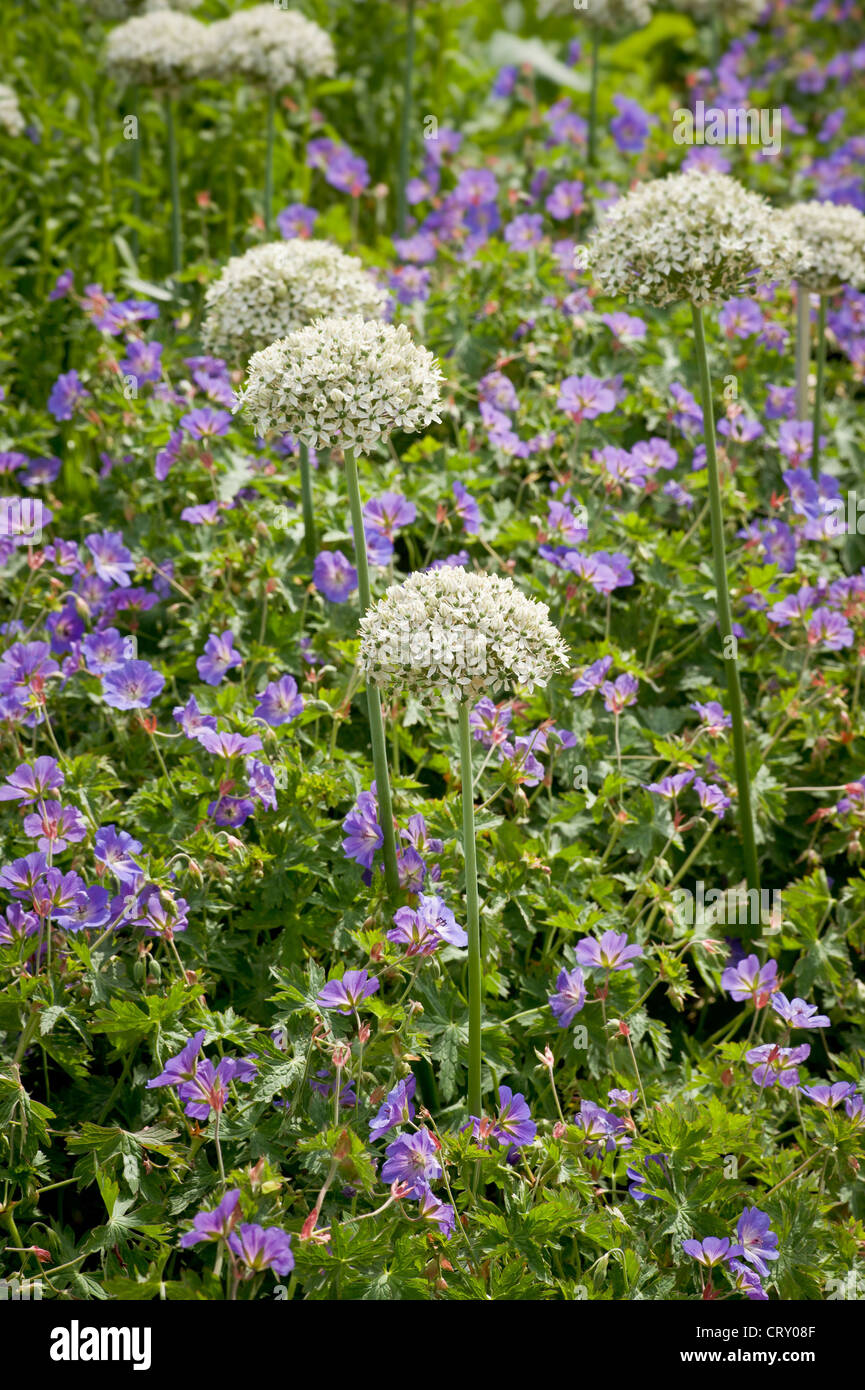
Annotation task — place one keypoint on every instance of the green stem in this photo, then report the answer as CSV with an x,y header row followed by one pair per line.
x,y
376,722
725,620
136,170
174,180
593,100
405,131
472,915
818,396
268,163
306,501
803,350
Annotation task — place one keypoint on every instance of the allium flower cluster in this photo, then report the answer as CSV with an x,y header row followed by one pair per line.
x,y
693,236
618,15
268,44
271,290
158,49
343,382
11,119
459,632
834,235
747,10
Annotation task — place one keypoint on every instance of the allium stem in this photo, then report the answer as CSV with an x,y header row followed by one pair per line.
x,y
174,180
803,350
306,501
818,394
376,722
472,914
593,100
268,163
405,131
136,170
725,619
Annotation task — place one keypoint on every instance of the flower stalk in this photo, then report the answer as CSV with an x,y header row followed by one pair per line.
x,y
268,162
376,720
405,130
472,914
803,350
592,153
174,182
725,620
818,395
306,501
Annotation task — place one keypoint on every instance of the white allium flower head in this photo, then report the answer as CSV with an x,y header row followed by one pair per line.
x,y
124,9
694,236
11,119
834,237
273,289
271,45
616,15
158,49
747,10
343,382
458,632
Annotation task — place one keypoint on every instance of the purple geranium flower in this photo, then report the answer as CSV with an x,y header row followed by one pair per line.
x,y
612,952
132,685
32,781
570,996
423,929
218,658
585,397
334,576
797,1013
191,719
206,423
412,1159
396,1109
348,993
54,826
592,677
215,1224
440,1213
67,393
112,561
712,797
260,1248
776,1064
363,834
297,220
713,716
757,1241
712,1250
228,745
182,1067
114,848
827,1095
620,693
749,979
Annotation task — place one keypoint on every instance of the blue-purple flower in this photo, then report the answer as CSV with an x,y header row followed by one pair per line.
x,y
348,993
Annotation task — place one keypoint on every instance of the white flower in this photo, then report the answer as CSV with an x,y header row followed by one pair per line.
x,y
157,49
273,289
616,14
696,236
125,9
271,45
834,236
458,632
343,382
747,10
11,119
